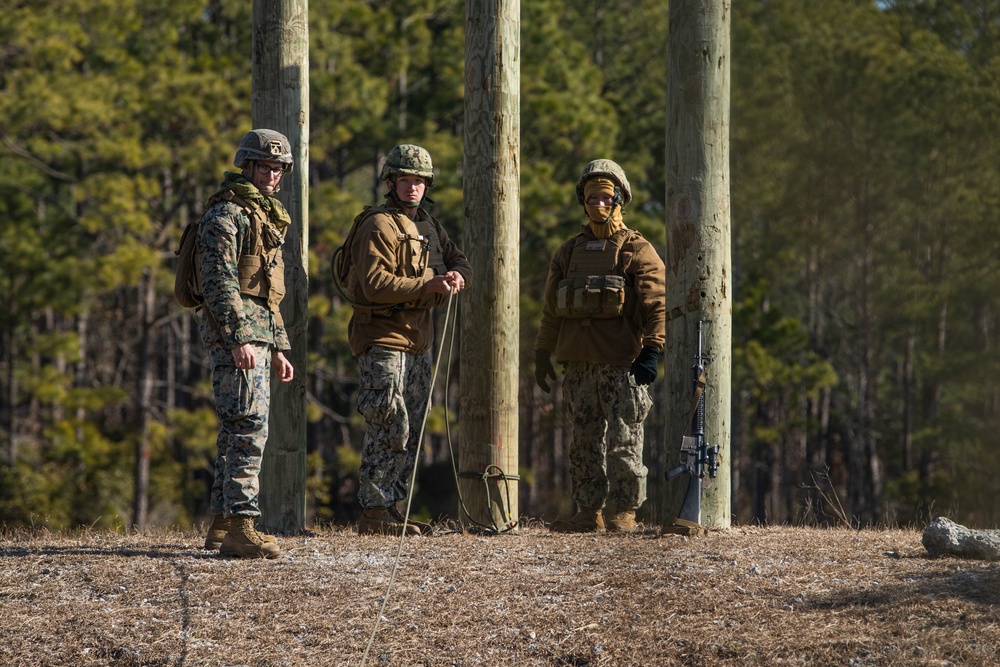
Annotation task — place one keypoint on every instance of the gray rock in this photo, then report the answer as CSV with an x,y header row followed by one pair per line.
x,y
945,537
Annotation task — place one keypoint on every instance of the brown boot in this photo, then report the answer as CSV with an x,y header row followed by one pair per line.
x,y
243,540
586,520
424,528
380,521
217,533
267,538
622,522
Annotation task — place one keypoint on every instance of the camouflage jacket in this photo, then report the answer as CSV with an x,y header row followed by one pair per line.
x,y
225,234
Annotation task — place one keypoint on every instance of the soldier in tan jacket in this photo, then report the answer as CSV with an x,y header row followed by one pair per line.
x,y
604,318
400,264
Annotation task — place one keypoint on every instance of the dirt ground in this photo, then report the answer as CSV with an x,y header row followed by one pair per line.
x,y
744,596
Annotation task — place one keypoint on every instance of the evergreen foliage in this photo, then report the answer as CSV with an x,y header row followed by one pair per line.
x,y
865,180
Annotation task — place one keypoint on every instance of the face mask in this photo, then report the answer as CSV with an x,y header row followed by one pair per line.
x,y
603,230
604,220
598,214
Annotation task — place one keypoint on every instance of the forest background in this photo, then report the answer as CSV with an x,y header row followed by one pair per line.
x,y
865,189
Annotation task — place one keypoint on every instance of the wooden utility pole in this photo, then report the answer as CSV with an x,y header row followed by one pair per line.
x,y
699,255
280,101
489,349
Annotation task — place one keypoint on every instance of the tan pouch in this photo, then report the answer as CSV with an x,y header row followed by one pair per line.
x,y
601,297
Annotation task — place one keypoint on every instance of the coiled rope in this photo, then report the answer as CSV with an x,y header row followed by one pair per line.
x,y
492,471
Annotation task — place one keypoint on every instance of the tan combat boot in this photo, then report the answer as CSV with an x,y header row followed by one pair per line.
x,y
586,520
424,528
217,533
380,521
243,540
622,522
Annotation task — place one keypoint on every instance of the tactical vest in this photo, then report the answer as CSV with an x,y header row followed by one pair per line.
x,y
261,270
418,254
594,285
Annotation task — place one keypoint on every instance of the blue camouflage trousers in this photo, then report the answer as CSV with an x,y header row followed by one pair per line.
x,y
242,400
607,410
395,388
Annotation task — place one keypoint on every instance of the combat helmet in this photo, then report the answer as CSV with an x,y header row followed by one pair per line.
x,y
608,169
268,145
408,159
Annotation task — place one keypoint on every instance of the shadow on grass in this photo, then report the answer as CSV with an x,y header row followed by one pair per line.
x,y
153,551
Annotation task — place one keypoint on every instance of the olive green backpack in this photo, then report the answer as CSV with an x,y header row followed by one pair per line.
x,y
187,285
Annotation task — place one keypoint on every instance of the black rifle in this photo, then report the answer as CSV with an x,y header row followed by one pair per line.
x,y
697,457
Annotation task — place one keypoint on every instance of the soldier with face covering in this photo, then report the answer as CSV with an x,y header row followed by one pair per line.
x,y
604,319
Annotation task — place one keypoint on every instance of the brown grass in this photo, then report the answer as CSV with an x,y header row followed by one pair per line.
x,y
745,596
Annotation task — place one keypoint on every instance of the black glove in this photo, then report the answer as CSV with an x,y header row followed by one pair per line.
x,y
544,369
645,367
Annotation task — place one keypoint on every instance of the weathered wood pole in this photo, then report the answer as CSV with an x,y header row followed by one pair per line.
x,y
280,101
489,347
698,254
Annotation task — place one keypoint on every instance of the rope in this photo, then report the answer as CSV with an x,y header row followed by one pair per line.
x,y
409,497
491,472
485,475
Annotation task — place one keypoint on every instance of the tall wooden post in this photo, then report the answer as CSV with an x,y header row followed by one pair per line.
x,y
489,348
280,101
698,255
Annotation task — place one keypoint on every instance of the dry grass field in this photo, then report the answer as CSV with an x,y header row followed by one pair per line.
x,y
745,596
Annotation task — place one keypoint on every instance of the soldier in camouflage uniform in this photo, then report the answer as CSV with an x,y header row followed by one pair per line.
x,y
241,275
401,265
604,318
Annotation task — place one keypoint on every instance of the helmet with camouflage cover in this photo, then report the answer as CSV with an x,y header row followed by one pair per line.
x,y
268,145
408,159
607,169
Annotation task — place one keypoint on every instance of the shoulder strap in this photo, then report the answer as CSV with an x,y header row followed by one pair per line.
x,y
617,240
630,236
576,242
256,214
254,210
340,262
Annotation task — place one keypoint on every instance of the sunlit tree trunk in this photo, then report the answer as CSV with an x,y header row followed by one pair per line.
x,y
10,389
699,271
865,482
280,101
490,330
144,394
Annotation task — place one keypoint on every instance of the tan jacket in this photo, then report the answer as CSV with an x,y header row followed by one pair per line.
x,y
614,341
386,255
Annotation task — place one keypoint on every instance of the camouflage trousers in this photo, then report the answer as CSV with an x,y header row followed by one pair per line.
x,y
242,400
607,409
395,388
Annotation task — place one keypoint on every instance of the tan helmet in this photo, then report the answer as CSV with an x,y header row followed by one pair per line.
x,y
408,159
266,145
608,169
